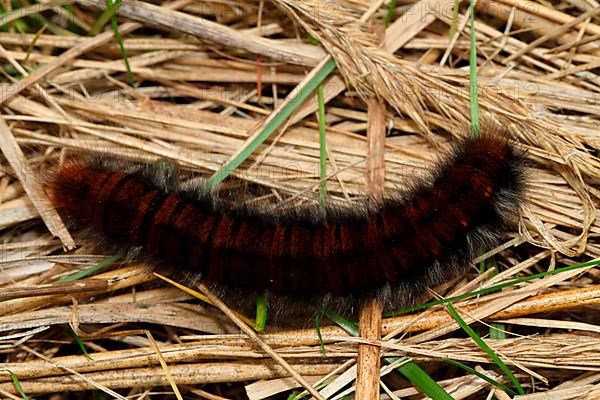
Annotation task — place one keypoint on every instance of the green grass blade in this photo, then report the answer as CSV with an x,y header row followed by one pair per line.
x,y
322,146
487,349
293,396
475,127
491,288
312,40
350,327
17,384
409,369
318,328
92,269
415,374
119,40
272,125
480,375
261,314
497,331
106,16
390,12
19,24
486,264
80,344
72,26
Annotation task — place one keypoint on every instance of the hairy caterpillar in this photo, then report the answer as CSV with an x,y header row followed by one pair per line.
x,y
411,240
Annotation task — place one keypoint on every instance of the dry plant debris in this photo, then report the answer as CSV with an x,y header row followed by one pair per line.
x,y
204,75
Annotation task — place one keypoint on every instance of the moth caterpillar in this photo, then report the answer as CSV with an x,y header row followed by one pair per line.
x,y
412,239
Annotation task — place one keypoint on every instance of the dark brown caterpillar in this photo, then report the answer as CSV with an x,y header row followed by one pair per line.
x,y
414,239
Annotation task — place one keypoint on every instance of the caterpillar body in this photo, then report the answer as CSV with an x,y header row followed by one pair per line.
x,y
395,249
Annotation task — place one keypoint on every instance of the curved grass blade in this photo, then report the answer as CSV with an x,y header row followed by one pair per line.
x,y
409,369
480,375
490,289
350,327
80,344
484,346
17,384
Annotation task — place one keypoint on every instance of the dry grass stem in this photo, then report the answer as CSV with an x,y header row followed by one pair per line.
x,y
207,76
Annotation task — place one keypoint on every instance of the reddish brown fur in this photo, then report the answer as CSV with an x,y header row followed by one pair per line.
x,y
400,242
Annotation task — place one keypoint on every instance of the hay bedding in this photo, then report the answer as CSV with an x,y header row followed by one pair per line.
x,y
201,86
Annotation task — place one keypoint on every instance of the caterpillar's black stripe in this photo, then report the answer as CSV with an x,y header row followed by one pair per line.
x,y
105,207
184,244
155,205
